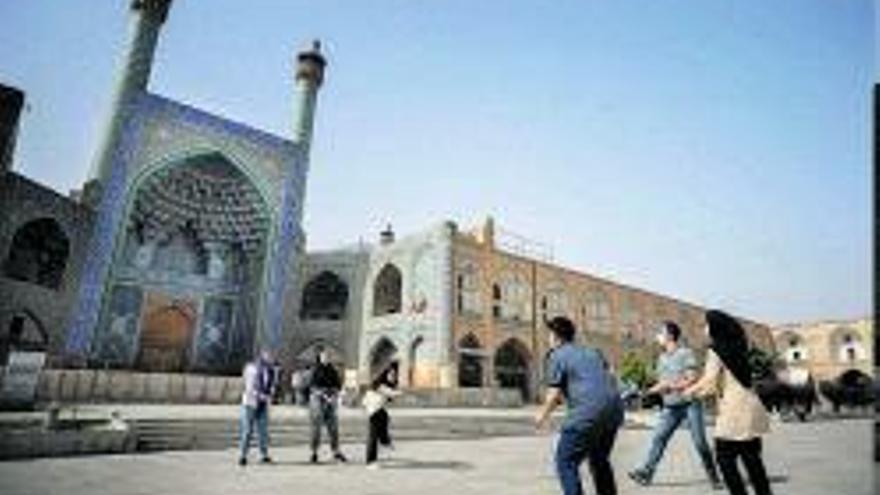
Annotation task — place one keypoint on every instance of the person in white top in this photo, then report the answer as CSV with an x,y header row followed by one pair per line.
x,y
742,419
383,390
259,377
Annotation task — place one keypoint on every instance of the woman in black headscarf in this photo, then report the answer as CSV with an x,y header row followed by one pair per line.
x,y
383,389
742,419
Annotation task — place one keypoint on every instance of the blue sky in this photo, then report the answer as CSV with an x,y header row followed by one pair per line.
x,y
714,151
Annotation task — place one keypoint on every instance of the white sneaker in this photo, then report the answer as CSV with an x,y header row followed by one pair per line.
x,y
373,466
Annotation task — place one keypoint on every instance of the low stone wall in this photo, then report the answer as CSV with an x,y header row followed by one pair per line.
x,y
83,386
35,442
78,386
463,397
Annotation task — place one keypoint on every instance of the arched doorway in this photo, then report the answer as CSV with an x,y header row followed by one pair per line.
x,y
414,372
512,367
38,253
383,353
470,362
194,250
23,332
166,335
325,297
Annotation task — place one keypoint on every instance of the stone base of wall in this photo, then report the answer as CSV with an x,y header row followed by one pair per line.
x,y
33,442
83,386
462,397
77,386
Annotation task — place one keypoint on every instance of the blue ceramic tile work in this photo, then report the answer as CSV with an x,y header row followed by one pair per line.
x,y
287,213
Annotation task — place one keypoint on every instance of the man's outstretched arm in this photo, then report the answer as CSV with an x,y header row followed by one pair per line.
x,y
552,400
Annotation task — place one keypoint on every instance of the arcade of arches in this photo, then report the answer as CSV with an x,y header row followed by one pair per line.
x,y
827,349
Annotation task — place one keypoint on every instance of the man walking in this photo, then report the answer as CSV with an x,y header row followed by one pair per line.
x,y
579,376
259,378
677,368
323,400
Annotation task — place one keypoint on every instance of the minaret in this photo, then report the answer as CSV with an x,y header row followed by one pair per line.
x,y
310,66
134,75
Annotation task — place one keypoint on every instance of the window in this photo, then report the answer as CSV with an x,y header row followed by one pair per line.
x,y
468,294
388,291
598,311
496,301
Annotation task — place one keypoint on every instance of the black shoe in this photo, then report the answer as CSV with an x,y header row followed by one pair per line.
x,y
266,460
242,461
339,457
717,485
314,459
640,477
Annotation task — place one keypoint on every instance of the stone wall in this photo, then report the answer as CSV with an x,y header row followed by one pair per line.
x,y
84,385
21,201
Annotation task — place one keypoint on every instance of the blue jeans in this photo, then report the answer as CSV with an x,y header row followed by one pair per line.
x,y
670,419
592,443
249,417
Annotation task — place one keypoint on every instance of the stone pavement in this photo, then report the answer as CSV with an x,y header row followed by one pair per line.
x,y
829,457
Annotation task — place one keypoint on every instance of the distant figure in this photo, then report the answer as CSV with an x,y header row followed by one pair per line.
x,y
259,378
742,419
676,369
383,389
298,387
323,402
579,377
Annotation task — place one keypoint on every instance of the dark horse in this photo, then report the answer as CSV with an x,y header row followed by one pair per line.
x,y
790,392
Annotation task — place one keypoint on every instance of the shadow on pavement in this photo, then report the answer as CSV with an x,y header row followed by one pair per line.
x,y
415,464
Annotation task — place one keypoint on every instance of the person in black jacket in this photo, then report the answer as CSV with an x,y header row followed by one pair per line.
x,y
323,402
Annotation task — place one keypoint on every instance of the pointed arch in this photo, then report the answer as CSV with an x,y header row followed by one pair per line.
x,y
513,367
38,253
470,362
388,291
325,297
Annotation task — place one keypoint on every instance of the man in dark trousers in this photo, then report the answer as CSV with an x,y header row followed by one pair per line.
x,y
579,377
323,403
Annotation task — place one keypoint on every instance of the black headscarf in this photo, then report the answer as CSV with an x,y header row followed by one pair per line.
x,y
384,376
728,340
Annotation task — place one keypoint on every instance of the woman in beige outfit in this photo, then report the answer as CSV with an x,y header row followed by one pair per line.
x,y
741,419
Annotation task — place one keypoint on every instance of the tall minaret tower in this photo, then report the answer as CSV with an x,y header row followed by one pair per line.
x,y
309,77
134,75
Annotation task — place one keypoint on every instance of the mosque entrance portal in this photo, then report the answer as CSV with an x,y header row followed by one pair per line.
x,y
188,274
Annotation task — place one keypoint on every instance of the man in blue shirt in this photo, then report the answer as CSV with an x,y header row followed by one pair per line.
x,y
579,377
677,367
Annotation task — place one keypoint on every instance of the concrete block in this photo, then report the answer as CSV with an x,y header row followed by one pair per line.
x,y
139,387
234,389
193,388
101,388
175,388
215,387
84,385
158,385
48,387
120,386
67,385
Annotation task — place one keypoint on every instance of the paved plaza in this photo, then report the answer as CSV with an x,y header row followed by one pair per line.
x,y
829,457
